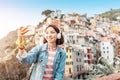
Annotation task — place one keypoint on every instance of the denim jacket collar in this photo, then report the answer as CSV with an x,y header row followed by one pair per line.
x,y
44,47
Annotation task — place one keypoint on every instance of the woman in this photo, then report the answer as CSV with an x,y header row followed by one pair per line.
x,y
50,57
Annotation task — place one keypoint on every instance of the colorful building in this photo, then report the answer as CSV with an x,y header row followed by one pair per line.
x,y
107,50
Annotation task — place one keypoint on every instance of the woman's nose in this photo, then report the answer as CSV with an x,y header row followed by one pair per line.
x,y
48,35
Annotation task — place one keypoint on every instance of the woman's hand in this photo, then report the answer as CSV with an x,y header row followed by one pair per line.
x,y
20,33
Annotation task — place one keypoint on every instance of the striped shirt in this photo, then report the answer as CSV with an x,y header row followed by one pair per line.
x,y
48,73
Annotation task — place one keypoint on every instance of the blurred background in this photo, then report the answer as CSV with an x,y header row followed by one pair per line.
x,y
91,30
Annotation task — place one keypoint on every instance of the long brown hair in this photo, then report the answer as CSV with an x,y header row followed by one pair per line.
x,y
58,41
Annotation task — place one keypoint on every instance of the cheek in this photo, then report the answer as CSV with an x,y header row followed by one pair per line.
x,y
55,36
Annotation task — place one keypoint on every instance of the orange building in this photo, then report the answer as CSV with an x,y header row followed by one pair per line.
x,y
117,46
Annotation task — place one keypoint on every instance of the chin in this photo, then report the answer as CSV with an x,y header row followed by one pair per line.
x,y
50,41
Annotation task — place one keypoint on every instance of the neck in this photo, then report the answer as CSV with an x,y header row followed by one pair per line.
x,y
52,45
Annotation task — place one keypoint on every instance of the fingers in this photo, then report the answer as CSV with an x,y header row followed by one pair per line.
x,y
22,31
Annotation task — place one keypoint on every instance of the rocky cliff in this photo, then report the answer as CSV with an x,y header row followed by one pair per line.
x,y
10,68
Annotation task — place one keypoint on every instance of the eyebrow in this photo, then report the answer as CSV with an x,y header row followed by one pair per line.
x,y
52,30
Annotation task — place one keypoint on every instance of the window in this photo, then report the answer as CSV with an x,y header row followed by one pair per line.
x,y
76,59
66,49
85,55
102,43
70,70
79,60
73,41
88,61
88,56
79,76
103,51
70,50
72,37
89,50
67,63
80,68
81,54
77,67
85,61
70,56
71,63
107,47
67,56
103,47
78,53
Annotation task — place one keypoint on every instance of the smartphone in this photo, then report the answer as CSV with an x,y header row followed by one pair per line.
x,y
31,31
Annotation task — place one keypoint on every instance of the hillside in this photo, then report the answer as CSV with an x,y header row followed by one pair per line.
x,y
112,14
10,68
8,42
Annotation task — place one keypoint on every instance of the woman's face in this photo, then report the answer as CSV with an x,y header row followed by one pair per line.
x,y
50,35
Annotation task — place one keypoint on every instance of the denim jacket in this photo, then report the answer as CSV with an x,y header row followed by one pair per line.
x,y
41,50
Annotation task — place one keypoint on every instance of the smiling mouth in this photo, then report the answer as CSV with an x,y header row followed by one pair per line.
x,y
49,38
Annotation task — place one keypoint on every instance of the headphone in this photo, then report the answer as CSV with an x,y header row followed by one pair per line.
x,y
59,35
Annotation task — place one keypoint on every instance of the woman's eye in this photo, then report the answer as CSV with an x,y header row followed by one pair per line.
x,y
49,32
52,32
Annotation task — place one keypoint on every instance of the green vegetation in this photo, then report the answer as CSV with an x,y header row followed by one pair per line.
x,y
46,12
112,14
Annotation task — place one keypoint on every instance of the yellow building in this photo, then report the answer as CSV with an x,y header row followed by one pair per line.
x,y
115,29
93,23
69,62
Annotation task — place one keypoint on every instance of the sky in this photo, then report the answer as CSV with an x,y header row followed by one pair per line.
x,y
16,13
